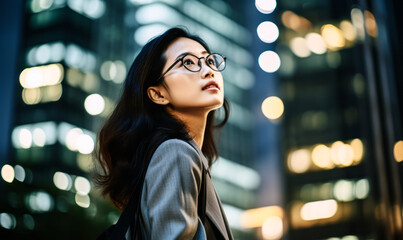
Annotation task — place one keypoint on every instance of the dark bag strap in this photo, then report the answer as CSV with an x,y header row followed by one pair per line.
x,y
131,208
201,203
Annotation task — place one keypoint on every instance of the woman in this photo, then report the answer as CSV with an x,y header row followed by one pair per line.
x,y
160,137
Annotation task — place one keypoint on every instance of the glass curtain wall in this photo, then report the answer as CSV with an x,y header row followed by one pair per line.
x,y
340,80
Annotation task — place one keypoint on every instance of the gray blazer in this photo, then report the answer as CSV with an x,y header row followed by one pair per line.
x,y
170,194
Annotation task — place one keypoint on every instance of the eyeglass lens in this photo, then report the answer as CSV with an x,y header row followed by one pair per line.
x,y
214,61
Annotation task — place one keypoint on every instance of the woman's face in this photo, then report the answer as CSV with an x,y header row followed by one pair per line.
x,y
184,90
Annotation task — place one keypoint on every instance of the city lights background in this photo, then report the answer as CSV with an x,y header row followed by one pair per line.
x,y
314,145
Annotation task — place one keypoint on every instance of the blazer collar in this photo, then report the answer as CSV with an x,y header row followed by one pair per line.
x,y
202,157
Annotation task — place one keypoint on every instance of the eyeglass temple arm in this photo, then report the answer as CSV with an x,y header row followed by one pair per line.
x,y
173,65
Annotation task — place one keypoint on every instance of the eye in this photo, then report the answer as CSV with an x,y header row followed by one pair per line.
x,y
211,61
188,61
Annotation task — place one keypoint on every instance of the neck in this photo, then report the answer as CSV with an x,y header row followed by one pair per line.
x,y
195,124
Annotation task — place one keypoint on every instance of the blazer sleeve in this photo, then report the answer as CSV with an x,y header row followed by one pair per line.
x,y
173,182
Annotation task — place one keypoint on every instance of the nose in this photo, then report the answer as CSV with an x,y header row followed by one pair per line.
x,y
206,71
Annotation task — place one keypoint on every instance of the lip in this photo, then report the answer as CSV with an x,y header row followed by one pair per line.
x,y
211,83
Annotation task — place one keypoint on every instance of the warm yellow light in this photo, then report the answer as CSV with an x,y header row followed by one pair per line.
x,y
295,22
348,30
333,36
299,47
334,152
31,77
315,43
41,76
273,107
254,218
358,149
290,19
31,96
52,93
398,151
346,155
272,228
370,24
318,210
321,157
53,74
299,161
7,173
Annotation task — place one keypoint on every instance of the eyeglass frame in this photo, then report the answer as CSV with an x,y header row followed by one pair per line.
x,y
198,63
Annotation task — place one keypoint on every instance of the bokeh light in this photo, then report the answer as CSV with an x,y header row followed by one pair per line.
x,y
72,137
333,36
299,47
19,173
265,6
272,228
94,104
315,43
62,181
273,107
39,137
362,189
40,201
7,221
82,185
319,210
370,24
41,76
321,157
358,150
344,190
269,61
299,160
268,32
7,173
85,144
398,151
348,30
82,200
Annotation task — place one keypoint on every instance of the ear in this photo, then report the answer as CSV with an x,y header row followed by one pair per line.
x,y
157,95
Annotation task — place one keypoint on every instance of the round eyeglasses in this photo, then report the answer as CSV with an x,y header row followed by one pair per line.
x,y
192,63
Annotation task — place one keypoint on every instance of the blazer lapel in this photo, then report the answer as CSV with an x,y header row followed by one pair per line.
x,y
228,230
214,209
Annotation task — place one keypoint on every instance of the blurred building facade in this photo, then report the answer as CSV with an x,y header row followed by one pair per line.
x,y
341,131
73,59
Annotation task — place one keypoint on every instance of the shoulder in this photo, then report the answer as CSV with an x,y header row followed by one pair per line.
x,y
174,150
175,147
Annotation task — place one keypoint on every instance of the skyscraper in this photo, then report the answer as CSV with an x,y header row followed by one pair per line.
x,y
341,126
73,59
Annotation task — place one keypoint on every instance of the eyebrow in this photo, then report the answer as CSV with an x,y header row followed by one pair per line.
x,y
186,53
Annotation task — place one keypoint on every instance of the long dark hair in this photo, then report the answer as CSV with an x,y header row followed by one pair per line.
x,y
138,126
